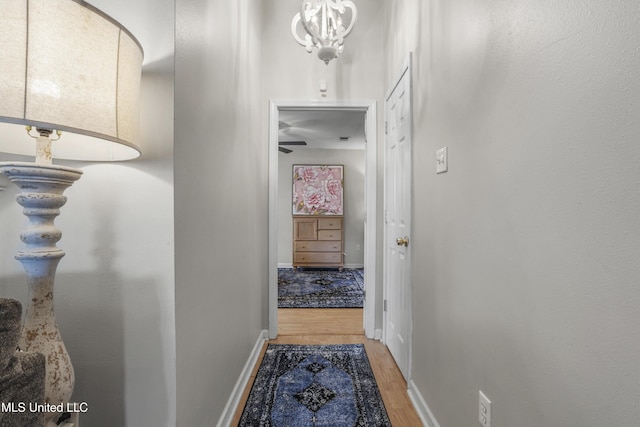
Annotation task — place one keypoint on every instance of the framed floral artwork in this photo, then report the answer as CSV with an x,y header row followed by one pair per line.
x,y
318,190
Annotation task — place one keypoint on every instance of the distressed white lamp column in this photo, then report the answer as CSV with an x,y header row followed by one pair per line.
x,y
71,75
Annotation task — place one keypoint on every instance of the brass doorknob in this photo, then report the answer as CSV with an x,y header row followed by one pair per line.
x,y
403,241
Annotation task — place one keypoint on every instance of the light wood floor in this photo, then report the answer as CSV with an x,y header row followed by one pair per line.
x,y
344,326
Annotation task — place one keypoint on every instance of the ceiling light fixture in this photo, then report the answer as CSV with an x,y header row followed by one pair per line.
x,y
326,23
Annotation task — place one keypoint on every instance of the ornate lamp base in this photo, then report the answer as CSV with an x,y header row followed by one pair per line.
x,y
41,197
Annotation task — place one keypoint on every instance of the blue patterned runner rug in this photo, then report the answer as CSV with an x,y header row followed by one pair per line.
x,y
314,386
317,288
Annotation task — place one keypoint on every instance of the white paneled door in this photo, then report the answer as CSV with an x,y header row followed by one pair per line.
x,y
397,259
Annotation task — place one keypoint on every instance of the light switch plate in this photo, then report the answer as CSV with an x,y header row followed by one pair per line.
x,y
441,160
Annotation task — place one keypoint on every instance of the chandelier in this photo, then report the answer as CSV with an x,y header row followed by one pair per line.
x,y
323,22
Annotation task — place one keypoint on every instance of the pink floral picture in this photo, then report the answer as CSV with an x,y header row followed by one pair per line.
x,y
317,190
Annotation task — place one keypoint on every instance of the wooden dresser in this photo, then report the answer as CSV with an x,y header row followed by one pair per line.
x,y
318,241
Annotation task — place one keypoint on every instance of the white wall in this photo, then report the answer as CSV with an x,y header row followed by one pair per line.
x,y
526,251
292,73
353,162
220,200
115,287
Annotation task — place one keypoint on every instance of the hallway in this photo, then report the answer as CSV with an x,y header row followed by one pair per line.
x,y
344,326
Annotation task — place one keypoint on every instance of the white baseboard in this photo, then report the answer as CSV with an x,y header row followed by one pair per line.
x,y
354,266
377,334
289,265
243,380
421,406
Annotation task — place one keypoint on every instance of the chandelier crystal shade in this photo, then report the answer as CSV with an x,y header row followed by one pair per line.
x,y
324,24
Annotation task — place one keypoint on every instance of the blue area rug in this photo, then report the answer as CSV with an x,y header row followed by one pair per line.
x,y
314,386
318,288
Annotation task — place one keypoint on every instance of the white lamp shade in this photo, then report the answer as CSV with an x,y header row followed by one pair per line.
x,y
67,66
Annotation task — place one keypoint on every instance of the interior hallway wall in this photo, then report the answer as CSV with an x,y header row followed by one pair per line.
x,y
114,291
525,254
220,202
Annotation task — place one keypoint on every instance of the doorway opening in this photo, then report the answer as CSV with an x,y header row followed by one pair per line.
x,y
368,109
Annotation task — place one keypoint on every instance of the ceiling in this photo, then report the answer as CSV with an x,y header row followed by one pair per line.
x,y
322,129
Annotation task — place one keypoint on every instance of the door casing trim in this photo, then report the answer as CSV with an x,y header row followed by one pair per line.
x,y
370,237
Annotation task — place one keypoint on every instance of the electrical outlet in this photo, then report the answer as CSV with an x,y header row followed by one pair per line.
x,y
484,410
441,160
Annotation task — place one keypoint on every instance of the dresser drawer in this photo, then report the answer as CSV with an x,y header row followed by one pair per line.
x,y
318,258
330,223
325,246
318,241
329,234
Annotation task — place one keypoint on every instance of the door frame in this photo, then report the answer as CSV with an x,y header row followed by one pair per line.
x,y
406,69
370,238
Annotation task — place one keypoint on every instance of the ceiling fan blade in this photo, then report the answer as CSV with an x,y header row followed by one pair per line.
x,y
292,142
284,150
